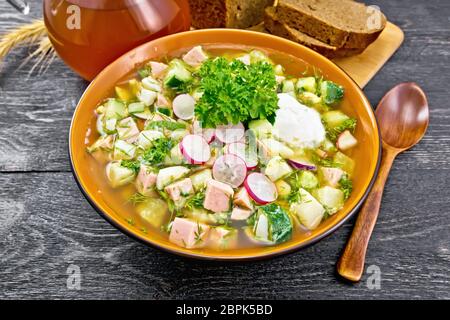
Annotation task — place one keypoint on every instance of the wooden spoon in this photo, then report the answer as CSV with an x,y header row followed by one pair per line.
x,y
403,119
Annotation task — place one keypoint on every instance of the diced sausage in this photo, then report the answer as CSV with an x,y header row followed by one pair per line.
x,y
158,69
242,199
217,196
239,214
180,189
146,180
195,56
188,233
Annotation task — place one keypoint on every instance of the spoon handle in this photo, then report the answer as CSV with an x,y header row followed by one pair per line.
x,y
351,263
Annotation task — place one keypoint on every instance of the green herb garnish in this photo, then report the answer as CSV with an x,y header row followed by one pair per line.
x,y
346,186
169,125
235,92
196,201
349,124
156,154
131,164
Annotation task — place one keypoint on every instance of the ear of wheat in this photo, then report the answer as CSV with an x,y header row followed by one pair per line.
x,y
32,35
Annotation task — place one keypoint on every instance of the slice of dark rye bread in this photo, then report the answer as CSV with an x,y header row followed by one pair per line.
x,y
227,13
339,23
277,28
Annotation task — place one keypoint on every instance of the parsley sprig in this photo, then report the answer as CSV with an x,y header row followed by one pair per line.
x,y
235,92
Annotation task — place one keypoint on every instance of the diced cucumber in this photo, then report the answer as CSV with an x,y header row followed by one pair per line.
x,y
178,134
331,198
261,228
331,92
262,128
104,143
175,157
344,162
146,114
117,175
334,118
308,180
147,97
154,211
288,86
99,124
276,148
127,128
177,74
170,174
328,146
277,168
308,210
165,111
283,188
124,150
306,84
110,125
146,138
310,99
151,84
136,107
279,70
199,179
115,110
259,56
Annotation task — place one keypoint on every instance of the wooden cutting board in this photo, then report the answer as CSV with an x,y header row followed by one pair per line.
x,y
363,67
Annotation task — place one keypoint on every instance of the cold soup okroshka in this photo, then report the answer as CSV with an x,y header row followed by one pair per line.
x,y
223,149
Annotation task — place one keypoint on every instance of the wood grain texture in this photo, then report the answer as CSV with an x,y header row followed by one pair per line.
x,y
46,224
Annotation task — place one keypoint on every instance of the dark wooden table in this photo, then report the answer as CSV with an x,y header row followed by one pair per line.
x,y
46,225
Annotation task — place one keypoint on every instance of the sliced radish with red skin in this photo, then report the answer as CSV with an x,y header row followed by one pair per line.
x,y
207,133
230,169
195,149
230,133
260,188
242,151
302,164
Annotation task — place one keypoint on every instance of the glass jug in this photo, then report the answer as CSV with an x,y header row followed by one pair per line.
x,y
90,34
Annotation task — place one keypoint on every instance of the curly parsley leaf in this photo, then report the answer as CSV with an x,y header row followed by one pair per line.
x,y
235,92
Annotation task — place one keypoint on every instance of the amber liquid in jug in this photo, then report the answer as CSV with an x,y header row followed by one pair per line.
x,y
90,34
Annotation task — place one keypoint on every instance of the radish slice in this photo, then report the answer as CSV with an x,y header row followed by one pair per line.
x,y
260,188
230,169
230,133
240,149
184,106
207,133
302,164
195,149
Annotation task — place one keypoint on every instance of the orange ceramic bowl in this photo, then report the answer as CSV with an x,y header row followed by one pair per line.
x,y
366,154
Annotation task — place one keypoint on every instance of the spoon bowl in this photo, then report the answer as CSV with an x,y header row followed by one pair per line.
x,y
403,118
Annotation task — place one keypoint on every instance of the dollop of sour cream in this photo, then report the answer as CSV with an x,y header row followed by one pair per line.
x,y
296,124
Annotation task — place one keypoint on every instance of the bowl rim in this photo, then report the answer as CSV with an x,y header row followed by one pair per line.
x,y
220,257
